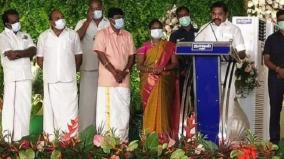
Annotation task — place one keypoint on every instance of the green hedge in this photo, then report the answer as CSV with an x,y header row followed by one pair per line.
x,y
34,19
138,13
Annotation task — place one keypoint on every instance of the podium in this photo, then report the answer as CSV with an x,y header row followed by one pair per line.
x,y
207,83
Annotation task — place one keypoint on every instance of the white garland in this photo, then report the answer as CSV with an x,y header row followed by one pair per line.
x,y
264,9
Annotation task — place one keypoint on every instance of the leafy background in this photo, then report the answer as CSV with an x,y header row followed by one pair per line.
x,y
138,13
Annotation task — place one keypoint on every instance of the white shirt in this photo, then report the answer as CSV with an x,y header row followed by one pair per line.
x,y
225,32
90,59
19,69
58,54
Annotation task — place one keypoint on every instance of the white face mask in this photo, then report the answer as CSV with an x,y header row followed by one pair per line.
x,y
156,33
119,23
60,24
16,27
98,14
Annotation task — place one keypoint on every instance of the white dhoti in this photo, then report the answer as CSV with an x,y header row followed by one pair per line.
x,y
60,106
16,109
88,98
113,111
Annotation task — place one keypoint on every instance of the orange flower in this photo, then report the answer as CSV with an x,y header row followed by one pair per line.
x,y
248,152
72,131
190,126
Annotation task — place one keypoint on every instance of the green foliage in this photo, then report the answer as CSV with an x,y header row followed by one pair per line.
x,y
55,154
34,20
132,145
152,142
200,10
27,154
178,154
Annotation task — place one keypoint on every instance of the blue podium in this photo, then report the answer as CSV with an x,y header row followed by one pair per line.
x,y
207,83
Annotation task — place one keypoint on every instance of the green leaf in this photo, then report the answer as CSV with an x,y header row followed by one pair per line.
x,y
132,145
27,154
165,145
234,153
160,150
210,146
275,147
55,154
152,142
177,154
87,135
109,143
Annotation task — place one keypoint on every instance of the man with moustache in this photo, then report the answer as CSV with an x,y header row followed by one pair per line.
x,y
16,50
87,30
221,29
59,55
115,49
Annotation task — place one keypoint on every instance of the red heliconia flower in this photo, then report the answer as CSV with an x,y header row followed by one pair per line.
x,y
65,144
248,152
163,138
190,126
72,130
25,144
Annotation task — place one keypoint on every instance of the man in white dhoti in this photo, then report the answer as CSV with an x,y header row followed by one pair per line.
x,y
59,54
87,30
16,49
115,49
220,29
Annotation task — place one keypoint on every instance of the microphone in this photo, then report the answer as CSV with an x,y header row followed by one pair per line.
x,y
204,28
213,30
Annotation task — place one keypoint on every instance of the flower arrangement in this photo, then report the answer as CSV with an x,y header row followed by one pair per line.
x,y
89,145
246,78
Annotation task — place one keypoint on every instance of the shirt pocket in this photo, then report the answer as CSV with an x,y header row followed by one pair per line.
x,y
69,46
227,36
26,43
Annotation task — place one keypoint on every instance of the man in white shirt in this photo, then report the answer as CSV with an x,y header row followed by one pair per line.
x,y
87,30
59,54
16,49
220,29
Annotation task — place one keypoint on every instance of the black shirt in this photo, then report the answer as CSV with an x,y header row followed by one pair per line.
x,y
274,46
183,35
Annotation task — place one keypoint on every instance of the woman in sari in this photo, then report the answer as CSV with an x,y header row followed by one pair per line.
x,y
157,62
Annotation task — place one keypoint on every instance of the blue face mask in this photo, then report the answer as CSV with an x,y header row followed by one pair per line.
x,y
119,23
281,25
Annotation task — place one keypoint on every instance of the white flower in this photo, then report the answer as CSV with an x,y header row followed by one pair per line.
x,y
199,149
269,1
261,2
275,5
40,146
239,65
250,4
174,21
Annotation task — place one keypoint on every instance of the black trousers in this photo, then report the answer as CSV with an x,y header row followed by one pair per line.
x,y
276,91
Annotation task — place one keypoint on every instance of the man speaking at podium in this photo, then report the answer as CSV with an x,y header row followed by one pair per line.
x,y
220,29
